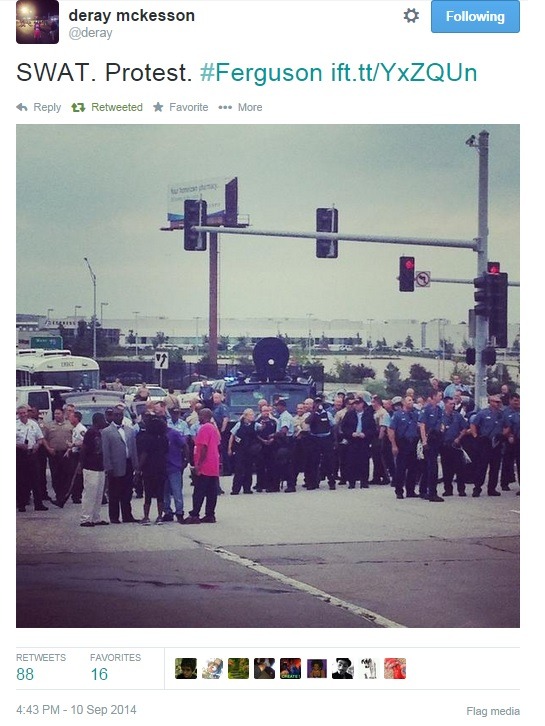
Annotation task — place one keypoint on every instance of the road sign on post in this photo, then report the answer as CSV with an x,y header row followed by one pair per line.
x,y
161,360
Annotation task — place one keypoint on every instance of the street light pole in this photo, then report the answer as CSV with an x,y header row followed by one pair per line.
x,y
49,311
94,280
76,308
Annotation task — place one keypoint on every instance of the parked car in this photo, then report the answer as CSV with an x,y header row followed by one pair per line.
x,y
155,393
91,402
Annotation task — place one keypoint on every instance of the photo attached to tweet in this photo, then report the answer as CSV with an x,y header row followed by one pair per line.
x,y
294,269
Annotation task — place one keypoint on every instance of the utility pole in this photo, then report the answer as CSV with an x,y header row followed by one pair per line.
x,y
94,279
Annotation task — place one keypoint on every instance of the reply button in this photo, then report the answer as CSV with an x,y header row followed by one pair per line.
x,y
457,16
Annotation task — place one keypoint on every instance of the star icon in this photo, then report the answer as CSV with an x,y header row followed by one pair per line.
x,y
158,106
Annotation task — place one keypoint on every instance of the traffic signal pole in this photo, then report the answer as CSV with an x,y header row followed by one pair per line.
x,y
213,298
481,322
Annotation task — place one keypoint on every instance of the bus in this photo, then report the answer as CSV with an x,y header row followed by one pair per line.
x,y
37,367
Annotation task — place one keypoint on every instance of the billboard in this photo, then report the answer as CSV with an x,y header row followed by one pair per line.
x,y
213,191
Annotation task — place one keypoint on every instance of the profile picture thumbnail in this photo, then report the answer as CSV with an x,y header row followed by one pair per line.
x,y
290,668
185,669
264,668
368,668
238,668
343,669
317,668
395,668
212,668
37,21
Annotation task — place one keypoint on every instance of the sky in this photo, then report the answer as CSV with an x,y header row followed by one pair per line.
x,y
101,192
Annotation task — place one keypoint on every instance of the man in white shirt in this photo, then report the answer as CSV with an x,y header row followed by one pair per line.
x,y
28,439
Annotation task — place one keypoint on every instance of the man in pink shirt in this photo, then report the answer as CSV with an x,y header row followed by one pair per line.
x,y
207,470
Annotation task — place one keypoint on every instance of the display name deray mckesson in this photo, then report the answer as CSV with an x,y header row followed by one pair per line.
x,y
78,72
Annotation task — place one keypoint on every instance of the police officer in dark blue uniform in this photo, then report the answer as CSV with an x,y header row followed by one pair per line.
x,y
487,427
429,423
453,428
320,442
511,433
404,434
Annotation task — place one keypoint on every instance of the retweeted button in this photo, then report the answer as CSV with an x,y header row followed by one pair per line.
x,y
457,16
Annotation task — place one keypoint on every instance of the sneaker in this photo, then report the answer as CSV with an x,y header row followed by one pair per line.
x,y
160,520
412,495
494,493
399,496
145,520
56,503
180,518
462,494
476,493
190,520
87,524
505,488
208,520
168,517
435,498
288,490
101,523
447,494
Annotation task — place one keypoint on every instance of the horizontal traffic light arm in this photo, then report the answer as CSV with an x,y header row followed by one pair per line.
x,y
417,241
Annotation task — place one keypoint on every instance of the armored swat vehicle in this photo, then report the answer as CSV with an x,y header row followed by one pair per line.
x,y
270,380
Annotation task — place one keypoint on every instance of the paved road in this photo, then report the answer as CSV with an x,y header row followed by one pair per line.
x,y
347,559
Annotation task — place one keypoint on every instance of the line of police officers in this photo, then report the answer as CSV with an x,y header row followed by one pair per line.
x,y
404,444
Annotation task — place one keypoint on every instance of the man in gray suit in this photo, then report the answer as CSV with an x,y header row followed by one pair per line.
x,y
120,462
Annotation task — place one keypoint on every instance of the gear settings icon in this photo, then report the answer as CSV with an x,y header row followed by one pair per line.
x,y
411,15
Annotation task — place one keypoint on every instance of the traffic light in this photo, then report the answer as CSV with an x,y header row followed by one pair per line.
x,y
488,356
327,220
491,302
406,274
497,321
470,356
493,268
482,295
195,214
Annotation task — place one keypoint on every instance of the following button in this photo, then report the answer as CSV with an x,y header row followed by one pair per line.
x,y
457,16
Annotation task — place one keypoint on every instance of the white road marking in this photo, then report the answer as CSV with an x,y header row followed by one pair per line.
x,y
368,615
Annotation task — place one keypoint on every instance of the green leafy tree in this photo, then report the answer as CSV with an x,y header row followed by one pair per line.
x,y
392,377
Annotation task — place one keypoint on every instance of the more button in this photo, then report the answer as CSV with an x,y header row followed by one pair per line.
x,y
456,16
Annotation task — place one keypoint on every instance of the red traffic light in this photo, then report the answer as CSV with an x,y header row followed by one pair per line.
x,y
493,268
409,263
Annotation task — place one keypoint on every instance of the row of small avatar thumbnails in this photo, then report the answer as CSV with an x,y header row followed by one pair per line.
x,y
289,668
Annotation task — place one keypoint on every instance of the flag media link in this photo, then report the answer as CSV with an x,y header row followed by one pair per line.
x,y
389,72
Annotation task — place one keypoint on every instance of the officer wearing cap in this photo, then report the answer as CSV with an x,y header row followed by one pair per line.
x,y
320,424
283,468
487,427
429,422
454,428
403,433
358,428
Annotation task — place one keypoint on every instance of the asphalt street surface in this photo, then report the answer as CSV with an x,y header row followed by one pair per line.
x,y
344,558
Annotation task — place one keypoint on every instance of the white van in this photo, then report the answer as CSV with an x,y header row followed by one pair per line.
x,y
44,398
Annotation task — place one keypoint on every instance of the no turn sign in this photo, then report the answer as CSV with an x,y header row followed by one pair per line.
x,y
422,279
